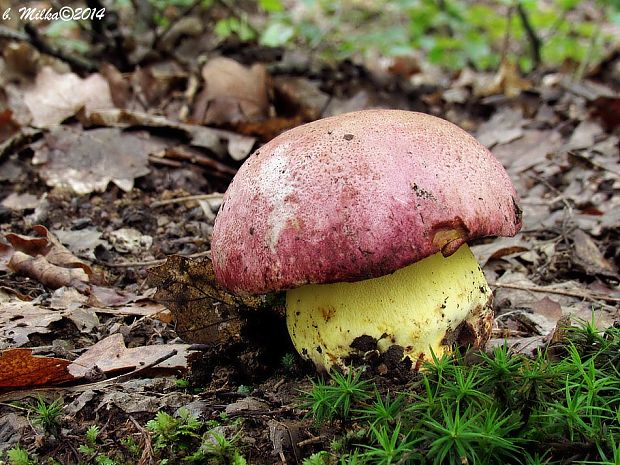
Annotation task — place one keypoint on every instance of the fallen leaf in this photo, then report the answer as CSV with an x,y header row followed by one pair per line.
x,y
584,136
18,320
548,308
87,161
232,93
498,248
20,202
218,141
111,355
130,240
48,274
507,81
531,149
44,257
587,255
607,108
55,97
203,312
503,127
81,242
300,96
20,369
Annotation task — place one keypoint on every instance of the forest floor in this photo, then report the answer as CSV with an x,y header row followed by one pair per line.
x,y
105,174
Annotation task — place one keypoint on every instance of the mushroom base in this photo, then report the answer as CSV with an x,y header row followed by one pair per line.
x,y
429,305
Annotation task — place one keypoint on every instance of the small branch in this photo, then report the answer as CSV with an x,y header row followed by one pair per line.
x,y
535,42
582,295
38,42
172,23
159,203
161,261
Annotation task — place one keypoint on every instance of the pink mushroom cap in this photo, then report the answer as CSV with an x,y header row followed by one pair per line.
x,y
357,196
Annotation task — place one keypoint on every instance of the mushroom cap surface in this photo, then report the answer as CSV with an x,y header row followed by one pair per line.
x,y
357,196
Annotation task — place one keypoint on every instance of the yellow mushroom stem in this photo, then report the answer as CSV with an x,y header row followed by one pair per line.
x,y
429,305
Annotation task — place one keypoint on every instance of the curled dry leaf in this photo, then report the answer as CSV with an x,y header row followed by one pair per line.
x,y
20,369
55,97
233,93
48,274
203,311
587,255
218,141
45,259
507,81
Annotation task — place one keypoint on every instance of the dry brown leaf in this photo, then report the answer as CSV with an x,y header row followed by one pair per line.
x,y
87,161
527,151
301,96
548,308
608,110
587,255
111,355
48,274
18,320
20,202
56,97
203,311
233,93
20,369
219,141
507,81
498,248
45,259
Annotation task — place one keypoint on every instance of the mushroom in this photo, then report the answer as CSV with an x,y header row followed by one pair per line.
x,y
363,219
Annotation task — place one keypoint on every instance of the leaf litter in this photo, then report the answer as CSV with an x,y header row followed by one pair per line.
x,y
117,176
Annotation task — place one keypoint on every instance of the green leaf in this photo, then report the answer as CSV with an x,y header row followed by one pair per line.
x,y
277,34
271,6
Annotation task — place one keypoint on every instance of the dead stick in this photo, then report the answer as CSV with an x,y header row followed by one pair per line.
x,y
161,261
215,196
582,295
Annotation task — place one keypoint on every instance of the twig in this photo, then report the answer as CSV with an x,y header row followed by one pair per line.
x,y
531,34
172,23
582,295
310,441
37,41
159,203
206,253
593,163
506,41
145,441
234,11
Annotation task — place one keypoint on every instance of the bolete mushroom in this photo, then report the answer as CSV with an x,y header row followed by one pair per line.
x,y
363,219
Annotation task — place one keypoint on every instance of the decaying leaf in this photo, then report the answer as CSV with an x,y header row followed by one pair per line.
x,y
48,274
86,161
498,248
21,202
45,259
507,81
81,242
233,93
111,355
56,97
587,255
218,141
18,320
20,369
203,311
